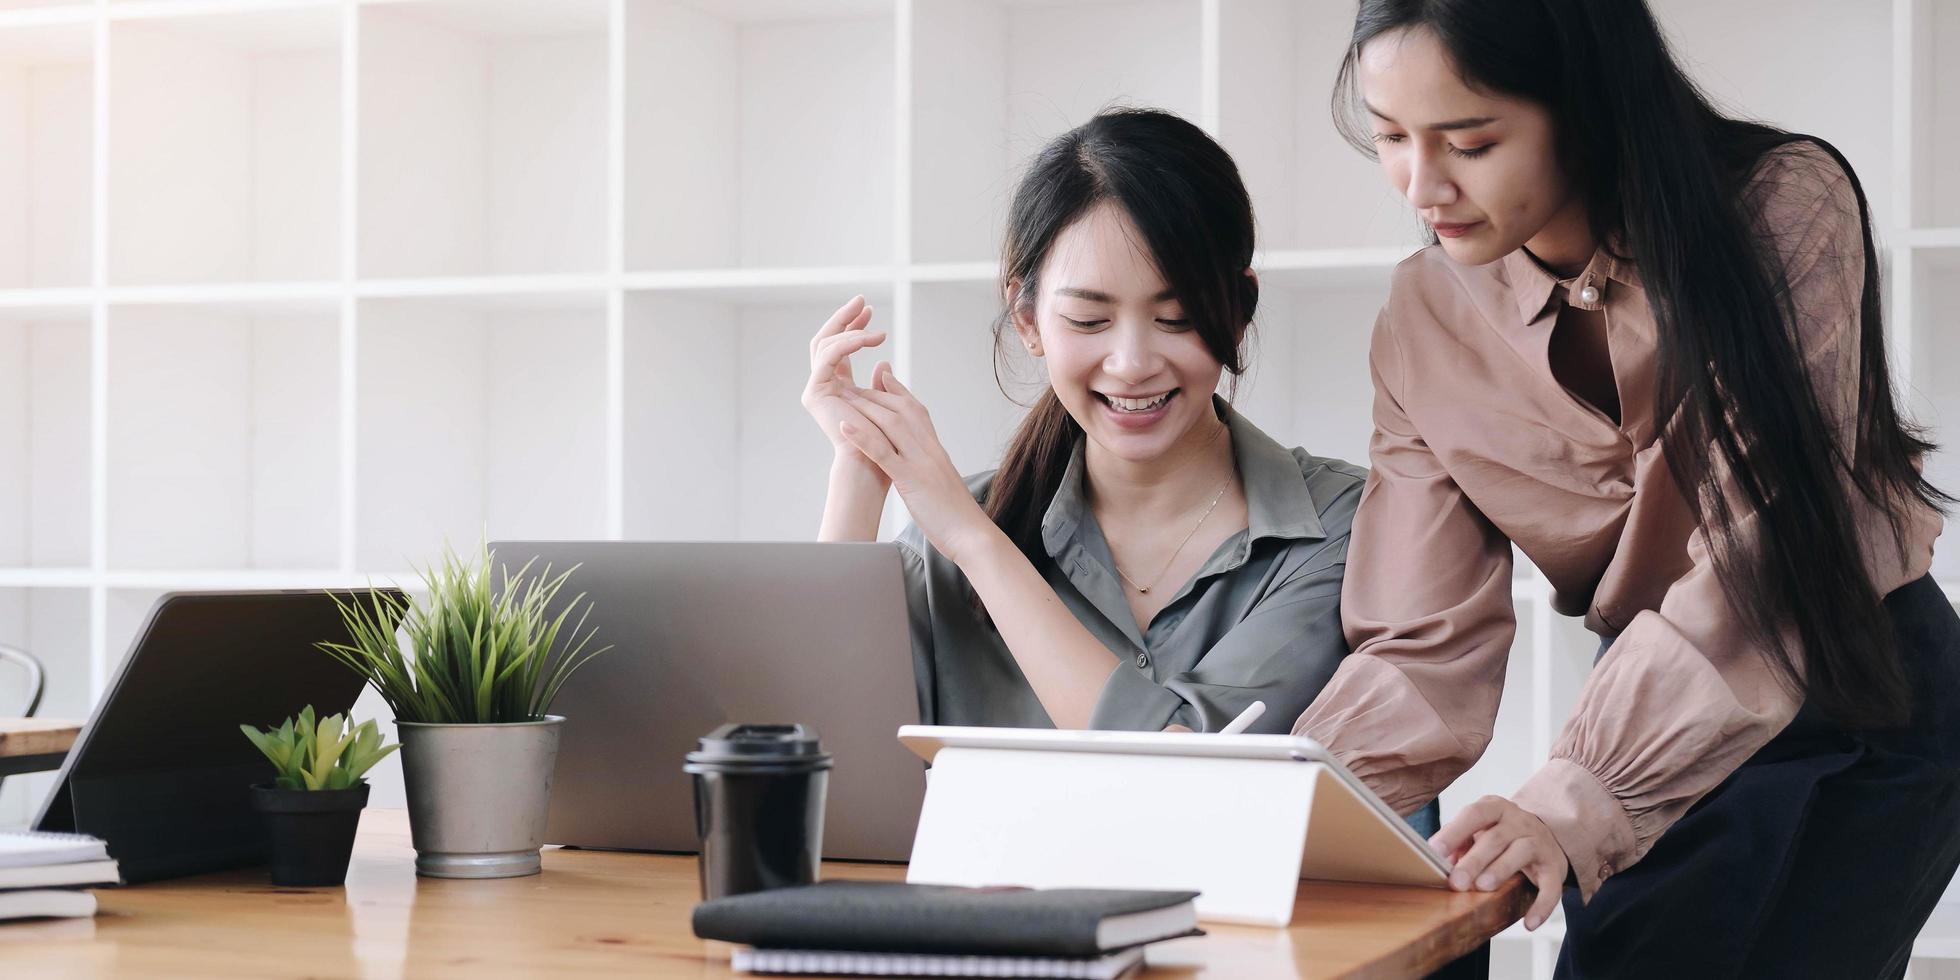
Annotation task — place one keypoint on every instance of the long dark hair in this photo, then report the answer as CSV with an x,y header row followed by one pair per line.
x,y
1662,173
1183,193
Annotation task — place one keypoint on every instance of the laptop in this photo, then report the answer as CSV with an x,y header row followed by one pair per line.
x,y
704,633
161,772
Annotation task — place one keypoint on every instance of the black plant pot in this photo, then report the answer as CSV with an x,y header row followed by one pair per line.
x,y
312,832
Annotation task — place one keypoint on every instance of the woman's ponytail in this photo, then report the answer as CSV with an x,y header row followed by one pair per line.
x,y
1030,472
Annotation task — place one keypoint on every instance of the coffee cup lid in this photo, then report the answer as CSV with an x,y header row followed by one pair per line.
x,y
760,744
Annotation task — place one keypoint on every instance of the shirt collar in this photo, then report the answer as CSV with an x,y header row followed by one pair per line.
x,y
1277,501
1534,288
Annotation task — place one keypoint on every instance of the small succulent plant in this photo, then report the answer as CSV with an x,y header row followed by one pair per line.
x,y
323,754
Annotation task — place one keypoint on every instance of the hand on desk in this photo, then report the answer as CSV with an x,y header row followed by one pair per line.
x,y
1491,840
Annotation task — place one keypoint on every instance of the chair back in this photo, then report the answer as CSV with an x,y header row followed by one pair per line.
x,y
36,678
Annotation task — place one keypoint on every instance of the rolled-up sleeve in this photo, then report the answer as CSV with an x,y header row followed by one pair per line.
x,y
1685,696
1427,611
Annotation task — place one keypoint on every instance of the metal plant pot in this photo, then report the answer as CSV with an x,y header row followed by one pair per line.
x,y
478,795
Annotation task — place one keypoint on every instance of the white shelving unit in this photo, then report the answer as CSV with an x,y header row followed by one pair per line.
x,y
715,376
482,137
223,134
290,290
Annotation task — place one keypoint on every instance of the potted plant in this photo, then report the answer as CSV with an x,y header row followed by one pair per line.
x,y
313,805
471,694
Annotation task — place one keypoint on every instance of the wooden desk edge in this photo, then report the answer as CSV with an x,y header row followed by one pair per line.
x,y
1451,940
157,926
1485,915
37,736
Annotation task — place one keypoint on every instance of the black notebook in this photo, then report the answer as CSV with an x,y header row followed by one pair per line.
x,y
892,917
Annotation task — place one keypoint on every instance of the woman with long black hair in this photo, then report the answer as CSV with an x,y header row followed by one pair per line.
x,y
1648,352
1145,558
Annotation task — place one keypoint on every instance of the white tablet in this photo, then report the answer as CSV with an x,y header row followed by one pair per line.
x,y
926,740
1358,816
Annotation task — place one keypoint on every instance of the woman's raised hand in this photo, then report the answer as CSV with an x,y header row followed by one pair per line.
x,y
831,380
892,428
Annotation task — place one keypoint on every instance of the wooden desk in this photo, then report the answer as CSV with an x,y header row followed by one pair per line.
x,y
599,913
35,744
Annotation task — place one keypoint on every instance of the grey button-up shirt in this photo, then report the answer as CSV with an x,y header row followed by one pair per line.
x,y
1260,621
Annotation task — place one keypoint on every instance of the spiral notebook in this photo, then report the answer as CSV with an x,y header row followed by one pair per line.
x,y
38,848
42,874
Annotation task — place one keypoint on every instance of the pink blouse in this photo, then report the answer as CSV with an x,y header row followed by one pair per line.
x,y
1477,446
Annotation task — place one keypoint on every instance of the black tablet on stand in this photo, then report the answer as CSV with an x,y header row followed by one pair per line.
x,y
161,771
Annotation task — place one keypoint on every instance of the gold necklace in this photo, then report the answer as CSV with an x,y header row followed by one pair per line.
x,y
1145,589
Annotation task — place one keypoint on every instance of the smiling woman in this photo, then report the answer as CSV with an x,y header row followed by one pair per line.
x,y
1145,557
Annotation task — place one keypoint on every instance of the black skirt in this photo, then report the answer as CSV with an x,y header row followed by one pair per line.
x,y
1821,856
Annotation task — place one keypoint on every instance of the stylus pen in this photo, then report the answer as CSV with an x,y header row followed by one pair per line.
x,y
1245,719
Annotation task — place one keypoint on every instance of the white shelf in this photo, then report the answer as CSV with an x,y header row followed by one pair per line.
x,y
579,290
1337,267
194,580
1310,349
228,124
781,151
810,282
17,305
954,272
1934,275
45,13
1933,123
746,360
40,578
475,420
1933,238
44,482
1277,261
515,19
1509,759
1829,78
1274,115
221,423
171,9
483,138
46,113
269,297
952,370
993,81
1315,266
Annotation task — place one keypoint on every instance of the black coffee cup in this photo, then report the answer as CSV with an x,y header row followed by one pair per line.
x,y
758,806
